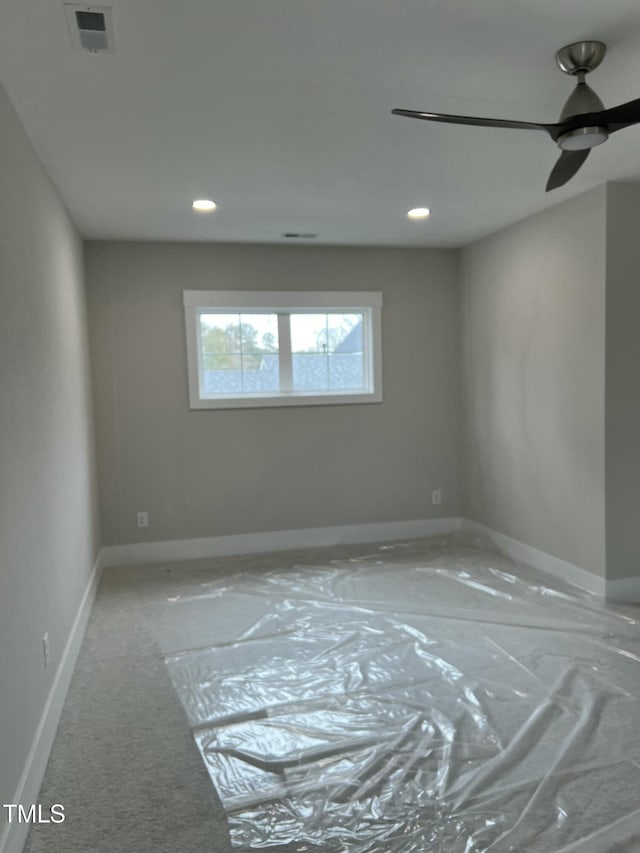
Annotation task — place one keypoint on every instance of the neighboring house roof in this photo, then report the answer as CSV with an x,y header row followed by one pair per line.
x,y
353,341
311,372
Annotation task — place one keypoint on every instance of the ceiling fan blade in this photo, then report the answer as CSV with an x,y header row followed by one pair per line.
x,y
618,117
474,120
566,167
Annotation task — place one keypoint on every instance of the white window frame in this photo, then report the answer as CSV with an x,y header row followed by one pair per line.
x,y
280,302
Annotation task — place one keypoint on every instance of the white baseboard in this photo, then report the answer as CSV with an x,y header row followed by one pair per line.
x,y
278,540
317,537
624,590
539,559
14,835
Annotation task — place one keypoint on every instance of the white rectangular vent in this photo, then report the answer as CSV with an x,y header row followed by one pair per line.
x,y
90,27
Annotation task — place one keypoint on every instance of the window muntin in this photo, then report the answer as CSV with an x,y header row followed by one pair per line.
x,y
250,348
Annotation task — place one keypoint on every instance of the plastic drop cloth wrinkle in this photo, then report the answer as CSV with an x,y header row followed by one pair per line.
x,y
421,696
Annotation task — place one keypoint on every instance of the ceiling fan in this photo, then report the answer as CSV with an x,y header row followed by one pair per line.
x,y
583,124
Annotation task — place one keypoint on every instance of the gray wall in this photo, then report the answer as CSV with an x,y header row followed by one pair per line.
x,y
533,305
622,383
208,473
48,523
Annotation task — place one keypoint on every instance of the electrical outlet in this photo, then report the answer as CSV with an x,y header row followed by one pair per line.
x,y
45,649
143,519
436,497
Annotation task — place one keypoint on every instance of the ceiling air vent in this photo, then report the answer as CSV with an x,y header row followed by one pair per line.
x,y
299,235
90,27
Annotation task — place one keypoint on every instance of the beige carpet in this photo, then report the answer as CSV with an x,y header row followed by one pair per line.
x,y
124,764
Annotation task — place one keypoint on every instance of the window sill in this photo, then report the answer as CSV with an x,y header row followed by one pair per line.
x,y
299,398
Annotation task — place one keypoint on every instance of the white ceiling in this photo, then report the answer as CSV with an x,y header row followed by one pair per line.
x,y
279,110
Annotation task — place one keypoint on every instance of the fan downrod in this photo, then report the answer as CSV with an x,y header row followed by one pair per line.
x,y
581,57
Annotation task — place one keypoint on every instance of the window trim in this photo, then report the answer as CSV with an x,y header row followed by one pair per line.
x,y
370,303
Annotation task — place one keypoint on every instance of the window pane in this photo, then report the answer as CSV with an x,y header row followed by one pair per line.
x,y
327,351
221,373
346,358
221,361
259,341
310,367
220,333
262,375
239,353
344,332
310,371
346,371
309,333
259,333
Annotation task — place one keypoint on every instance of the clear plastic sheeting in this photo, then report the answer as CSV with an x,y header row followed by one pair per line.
x,y
425,696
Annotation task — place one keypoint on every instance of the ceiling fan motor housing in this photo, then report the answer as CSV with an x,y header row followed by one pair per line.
x,y
579,59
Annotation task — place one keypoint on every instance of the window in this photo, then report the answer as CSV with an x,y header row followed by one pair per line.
x,y
253,348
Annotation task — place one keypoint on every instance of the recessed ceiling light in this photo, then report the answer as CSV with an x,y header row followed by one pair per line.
x,y
204,205
418,213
